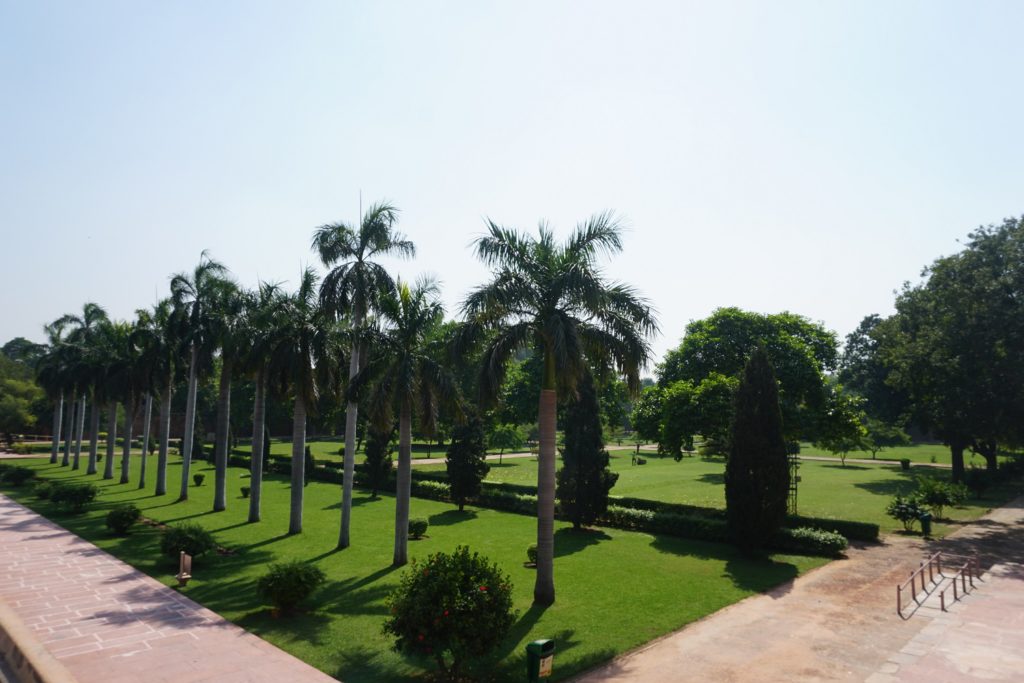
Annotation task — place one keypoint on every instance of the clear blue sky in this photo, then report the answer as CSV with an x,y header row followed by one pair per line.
x,y
802,156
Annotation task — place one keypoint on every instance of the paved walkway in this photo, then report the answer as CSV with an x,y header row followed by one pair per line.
x,y
109,623
840,623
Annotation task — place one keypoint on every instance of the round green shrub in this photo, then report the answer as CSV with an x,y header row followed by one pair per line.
x,y
906,510
198,479
43,489
531,554
452,608
121,518
245,491
417,527
16,476
288,584
73,496
190,537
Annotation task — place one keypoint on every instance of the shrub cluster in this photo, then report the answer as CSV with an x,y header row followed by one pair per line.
x,y
16,476
121,518
43,489
939,494
190,537
198,479
73,496
810,541
288,584
905,509
453,608
417,527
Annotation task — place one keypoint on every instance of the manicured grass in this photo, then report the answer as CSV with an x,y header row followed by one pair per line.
x,y
922,452
615,589
855,492
329,449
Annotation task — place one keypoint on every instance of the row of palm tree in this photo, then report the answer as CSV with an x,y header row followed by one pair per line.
x,y
545,297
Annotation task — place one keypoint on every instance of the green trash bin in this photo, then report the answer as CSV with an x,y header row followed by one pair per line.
x,y
926,523
540,655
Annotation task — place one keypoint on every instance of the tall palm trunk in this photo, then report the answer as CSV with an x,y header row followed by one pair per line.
x,y
165,438
94,435
349,465
58,420
403,490
79,430
220,493
148,407
544,588
126,450
298,464
256,463
190,423
69,433
108,466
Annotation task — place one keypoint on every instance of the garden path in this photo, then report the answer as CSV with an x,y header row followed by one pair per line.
x,y
839,622
104,621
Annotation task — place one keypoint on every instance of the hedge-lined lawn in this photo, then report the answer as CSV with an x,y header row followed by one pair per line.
x,y
855,492
330,449
616,589
922,452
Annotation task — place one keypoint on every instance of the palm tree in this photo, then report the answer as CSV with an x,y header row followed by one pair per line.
x,y
123,380
300,361
193,296
84,335
552,299
402,373
353,287
153,359
49,373
229,334
162,349
260,322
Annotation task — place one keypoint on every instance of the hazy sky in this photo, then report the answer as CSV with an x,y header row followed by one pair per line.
x,y
802,156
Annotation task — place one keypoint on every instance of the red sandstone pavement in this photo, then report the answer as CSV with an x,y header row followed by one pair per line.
x,y
107,622
839,622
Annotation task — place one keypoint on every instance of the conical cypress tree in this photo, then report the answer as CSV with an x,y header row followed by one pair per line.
x,y
378,463
466,462
757,471
584,481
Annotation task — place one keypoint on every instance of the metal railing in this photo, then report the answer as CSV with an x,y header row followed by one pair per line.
x,y
929,576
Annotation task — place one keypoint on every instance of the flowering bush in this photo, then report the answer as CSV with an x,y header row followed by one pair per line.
x,y
453,608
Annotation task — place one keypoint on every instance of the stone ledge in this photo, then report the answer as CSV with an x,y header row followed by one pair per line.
x,y
27,657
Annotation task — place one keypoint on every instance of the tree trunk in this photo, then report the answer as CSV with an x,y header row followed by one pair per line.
x,y
165,436
988,450
403,489
256,461
349,465
126,449
147,417
79,430
108,466
58,420
69,433
956,449
220,491
94,435
298,464
544,588
190,423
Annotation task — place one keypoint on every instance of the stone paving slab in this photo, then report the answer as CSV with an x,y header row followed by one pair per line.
x,y
107,622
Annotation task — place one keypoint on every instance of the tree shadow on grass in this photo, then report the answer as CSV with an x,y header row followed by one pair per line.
x,y
851,467
757,573
356,501
712,478
888,487
569,540
449,517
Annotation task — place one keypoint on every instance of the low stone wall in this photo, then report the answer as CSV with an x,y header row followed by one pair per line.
x,y
26,657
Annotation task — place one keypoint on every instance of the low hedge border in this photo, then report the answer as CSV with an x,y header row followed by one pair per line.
x,y
638,514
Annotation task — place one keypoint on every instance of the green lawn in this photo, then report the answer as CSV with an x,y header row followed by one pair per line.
x,y
855,492
329,449
616,589
922,452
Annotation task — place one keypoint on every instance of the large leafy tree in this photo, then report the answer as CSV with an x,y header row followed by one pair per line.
x,y
956,344
801,352
194,296
552,299
584,481
404,377
757,469
862,371
353,288
301,360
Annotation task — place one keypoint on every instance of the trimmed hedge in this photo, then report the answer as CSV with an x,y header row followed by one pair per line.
x,y
810,541
639,514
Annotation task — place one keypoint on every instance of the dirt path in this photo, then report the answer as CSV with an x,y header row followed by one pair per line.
x,y
836,623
